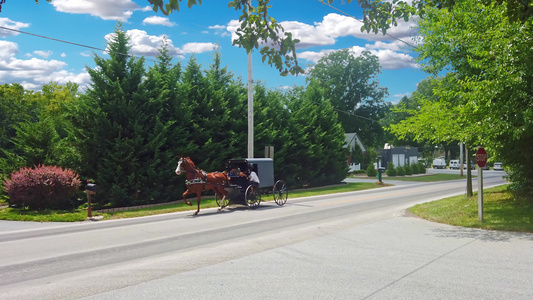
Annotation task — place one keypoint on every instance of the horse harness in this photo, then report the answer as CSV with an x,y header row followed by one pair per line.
x,y
198,179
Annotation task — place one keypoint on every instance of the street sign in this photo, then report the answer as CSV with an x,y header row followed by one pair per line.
x,y
481,157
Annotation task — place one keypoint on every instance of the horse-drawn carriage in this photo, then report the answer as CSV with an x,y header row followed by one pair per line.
x,y
233,185
241,192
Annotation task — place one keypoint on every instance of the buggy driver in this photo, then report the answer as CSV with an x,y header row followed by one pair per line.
x,y
252,177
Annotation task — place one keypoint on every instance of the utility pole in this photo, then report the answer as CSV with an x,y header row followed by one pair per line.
x,y
250,108
461,160
469,192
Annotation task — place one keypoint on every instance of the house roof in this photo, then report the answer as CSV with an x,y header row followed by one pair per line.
x,y
352,139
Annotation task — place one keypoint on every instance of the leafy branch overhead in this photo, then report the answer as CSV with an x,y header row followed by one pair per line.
x,y
257,30
379,16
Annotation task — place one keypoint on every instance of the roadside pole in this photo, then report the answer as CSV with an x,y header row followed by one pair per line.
x,y
481,160
480,193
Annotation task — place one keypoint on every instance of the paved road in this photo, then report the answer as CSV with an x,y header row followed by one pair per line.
x,y
350,246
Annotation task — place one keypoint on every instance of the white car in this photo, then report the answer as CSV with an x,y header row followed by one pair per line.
x,y
498,166
454,164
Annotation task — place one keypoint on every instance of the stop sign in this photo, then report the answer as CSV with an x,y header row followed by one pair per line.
x,y
481,157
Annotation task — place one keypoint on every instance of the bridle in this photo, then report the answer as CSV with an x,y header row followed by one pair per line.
x,y
199,173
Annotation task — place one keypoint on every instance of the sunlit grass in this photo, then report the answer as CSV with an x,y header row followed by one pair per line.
x,y
427,177
48,215
502,210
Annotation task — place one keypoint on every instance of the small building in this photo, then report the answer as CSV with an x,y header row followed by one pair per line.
x,y
352,141
399,156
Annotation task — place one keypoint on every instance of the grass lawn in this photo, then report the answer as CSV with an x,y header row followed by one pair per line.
x,y
427,177
420,177
16,214
502,210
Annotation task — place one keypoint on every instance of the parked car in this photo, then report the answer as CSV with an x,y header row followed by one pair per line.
x,y
455,164
498,166
439,163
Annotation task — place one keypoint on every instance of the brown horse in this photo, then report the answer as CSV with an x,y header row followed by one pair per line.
x,y
198,181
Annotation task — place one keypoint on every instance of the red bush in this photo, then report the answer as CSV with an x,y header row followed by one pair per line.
x,y
42,187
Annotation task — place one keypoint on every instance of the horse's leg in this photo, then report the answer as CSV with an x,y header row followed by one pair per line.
x,y
187,192
221,196
198,198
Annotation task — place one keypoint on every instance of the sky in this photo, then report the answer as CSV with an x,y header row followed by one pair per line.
x,y
32,60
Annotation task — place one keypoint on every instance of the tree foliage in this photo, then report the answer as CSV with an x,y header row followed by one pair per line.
x,y
485,97
128,129
379,16
352,86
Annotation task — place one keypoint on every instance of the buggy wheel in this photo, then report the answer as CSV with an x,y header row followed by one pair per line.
x,y
226,201
280,192
252,197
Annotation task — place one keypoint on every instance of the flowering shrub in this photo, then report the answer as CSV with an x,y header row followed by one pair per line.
x,y
42,187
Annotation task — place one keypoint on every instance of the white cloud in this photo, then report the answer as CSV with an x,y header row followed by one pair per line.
x,y
156,20
63,54
217,27
309,36
43,54
198,47
388,59
104,9
147,8
334,26
33,73
314,56
147,45
5,22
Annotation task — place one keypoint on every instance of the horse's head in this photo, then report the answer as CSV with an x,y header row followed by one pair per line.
x,y
179,167
184,164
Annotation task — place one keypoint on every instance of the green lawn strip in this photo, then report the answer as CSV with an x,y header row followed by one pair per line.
x,y
16,214
501,208
48,215
424,177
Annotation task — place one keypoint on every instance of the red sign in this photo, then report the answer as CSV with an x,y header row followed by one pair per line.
x,y
481,157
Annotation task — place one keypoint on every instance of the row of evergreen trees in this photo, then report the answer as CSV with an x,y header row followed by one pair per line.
x,y
128,129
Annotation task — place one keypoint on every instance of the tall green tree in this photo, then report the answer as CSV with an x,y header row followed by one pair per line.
x,y
116,118
353,88
225,116
38,130
16,105
487,96
271,126
169,116
315,152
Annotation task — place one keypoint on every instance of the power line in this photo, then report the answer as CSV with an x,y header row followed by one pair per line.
x,y
71,43
347,14
348,113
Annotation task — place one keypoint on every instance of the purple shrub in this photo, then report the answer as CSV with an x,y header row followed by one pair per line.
x,y
42,187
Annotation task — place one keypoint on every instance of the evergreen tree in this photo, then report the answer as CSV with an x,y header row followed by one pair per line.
x,y
117,131
224,118
316,150
271,122
169,117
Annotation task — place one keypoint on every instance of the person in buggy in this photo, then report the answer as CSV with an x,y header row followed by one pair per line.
x,y
253,179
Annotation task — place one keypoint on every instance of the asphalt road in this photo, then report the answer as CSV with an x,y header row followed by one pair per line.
x,y
357,245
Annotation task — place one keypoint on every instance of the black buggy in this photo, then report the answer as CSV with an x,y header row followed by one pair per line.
x,y
241,192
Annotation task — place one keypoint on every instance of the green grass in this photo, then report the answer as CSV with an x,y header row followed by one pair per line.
x,y
501,208
48,215
16,214
427,177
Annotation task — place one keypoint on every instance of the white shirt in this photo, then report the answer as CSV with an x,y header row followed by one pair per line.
x,y
253,177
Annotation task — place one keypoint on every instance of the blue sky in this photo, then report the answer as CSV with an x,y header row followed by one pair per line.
x,y
33,61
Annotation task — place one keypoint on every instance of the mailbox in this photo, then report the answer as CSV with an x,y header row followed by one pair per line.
x,y
91,187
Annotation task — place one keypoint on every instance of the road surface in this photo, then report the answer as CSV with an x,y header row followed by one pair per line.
x,y
358,245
